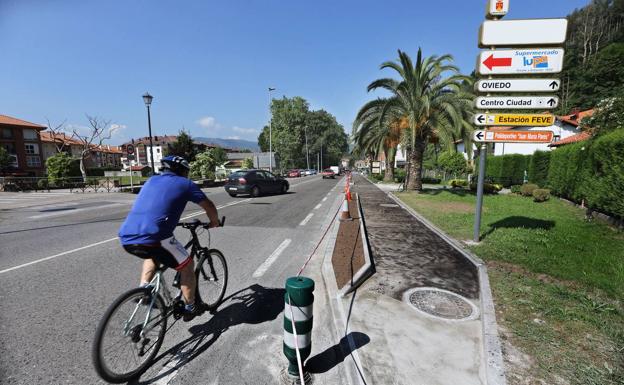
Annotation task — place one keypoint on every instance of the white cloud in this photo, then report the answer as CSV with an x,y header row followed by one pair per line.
x,y
233,137
244,130
209,123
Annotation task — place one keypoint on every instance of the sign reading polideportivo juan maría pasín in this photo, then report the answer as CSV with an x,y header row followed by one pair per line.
x,y
513,136
534,120
517,102
521,61
517,85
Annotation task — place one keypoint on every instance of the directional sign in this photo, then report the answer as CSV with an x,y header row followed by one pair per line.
x,y
517,85
517,102
535,120
521,61
497,8
529,32
513,136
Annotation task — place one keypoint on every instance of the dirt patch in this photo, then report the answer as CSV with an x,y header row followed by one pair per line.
x,y
453,207
348,256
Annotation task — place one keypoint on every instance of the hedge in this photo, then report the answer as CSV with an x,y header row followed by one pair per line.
x,y
591,171
506,169
538,168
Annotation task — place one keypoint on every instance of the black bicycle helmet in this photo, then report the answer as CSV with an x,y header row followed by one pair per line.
x,y
175,164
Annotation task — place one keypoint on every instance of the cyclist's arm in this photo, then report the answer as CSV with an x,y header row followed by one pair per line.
x,y
211,212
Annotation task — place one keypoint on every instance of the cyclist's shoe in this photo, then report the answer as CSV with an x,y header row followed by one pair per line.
x,y
145,299
190,312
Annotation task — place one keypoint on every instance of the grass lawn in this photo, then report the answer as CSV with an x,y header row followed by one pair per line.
x,y
558,283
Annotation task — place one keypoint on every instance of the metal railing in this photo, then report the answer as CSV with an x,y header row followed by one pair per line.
x,y
76,184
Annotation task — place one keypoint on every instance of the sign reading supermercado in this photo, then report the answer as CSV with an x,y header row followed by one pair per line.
x,y
517,102
517,85
521,61
537,120
530,32
513,136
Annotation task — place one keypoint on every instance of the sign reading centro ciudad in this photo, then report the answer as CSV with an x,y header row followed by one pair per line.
x,y
517,102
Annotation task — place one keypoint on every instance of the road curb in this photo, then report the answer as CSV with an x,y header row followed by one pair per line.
x,y
336,308
368,269
495,370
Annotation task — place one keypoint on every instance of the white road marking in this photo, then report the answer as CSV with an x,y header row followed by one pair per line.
x,y
72,211
317,207
324,199
271,259
101,242
306,219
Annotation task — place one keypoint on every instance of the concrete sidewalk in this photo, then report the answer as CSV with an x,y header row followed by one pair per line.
x,y
445,340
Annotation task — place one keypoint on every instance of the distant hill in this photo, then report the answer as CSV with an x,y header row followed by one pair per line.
x,y
229,143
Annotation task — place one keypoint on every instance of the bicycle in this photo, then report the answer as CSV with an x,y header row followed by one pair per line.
x,y
136,322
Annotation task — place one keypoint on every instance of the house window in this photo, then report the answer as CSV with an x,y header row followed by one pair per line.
x,y
7,133
9,147
33,161
31,149
30,134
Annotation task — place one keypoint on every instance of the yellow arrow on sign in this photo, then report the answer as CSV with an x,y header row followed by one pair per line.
x,y
534,120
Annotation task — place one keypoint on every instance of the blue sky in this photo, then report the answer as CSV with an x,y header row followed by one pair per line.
x,y
208,63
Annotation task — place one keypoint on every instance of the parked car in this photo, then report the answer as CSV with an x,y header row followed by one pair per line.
x,y
255,183
328,173
303,172
294,174
312,172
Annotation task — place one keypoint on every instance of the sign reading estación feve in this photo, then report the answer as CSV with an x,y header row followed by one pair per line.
x,y
513,136
521,61
536,120
517,102
497,8
517,33
518,85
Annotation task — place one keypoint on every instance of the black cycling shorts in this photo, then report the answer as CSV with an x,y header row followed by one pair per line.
x,y
169,253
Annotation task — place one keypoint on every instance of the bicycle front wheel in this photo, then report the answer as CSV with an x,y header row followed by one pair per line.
x,y
129,336
212,275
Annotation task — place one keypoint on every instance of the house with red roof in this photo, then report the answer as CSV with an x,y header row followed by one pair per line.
x,y
21,139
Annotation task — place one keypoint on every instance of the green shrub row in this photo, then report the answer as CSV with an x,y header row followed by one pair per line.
x,y
538,167
507,169
541,195
591,171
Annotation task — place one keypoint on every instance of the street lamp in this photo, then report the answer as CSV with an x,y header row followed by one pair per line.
x,y
147,98
270,131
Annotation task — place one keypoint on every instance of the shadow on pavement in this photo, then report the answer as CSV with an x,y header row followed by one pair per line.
x,y
516,222
253,305
334,355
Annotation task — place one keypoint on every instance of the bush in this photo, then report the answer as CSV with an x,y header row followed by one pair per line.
x,y
399,175
538,167
516,189
541,195
452,162
431,180
527,189
488,188
592,171
42,183
507,169
377,177
458,183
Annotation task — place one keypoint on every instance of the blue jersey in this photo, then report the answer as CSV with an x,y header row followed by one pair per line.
x,y
158,208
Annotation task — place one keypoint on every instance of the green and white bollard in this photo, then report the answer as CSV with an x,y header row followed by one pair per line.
x,y
299,291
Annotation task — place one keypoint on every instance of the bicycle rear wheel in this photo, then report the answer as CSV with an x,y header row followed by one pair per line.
x,y
212,275
123,348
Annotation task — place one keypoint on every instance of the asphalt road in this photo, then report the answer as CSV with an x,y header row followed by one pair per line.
x,y
61,266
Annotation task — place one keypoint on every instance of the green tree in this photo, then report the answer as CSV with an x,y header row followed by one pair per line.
x,y
60,167
452,162
247,163
183,147
5,160
203,167
219,155
434,104
609,116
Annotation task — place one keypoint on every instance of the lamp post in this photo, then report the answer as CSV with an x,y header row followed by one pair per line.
x,y
305,130
270,131
147,98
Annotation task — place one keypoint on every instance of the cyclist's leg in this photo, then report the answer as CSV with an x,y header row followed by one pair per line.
x,y
148,271
184,264
188,282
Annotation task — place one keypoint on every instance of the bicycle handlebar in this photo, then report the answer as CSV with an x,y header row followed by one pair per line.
x,y
197,223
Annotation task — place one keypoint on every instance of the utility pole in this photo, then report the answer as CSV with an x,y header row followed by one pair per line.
x,y
306,141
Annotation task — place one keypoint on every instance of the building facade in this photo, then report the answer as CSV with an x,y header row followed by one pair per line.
x,y
22,141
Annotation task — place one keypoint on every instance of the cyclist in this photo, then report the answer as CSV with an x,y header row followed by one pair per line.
x,y
147,232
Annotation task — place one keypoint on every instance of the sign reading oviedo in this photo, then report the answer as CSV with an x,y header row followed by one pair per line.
x,y
530,32
513,136
517,102
518,85
535,120
521,61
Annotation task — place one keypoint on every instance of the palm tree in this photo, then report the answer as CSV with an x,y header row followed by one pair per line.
x,y
433,104
375,131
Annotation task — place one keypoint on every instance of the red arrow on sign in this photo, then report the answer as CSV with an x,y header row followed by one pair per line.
x,y
491,62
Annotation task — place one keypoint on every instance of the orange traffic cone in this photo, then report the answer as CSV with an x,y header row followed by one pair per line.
x,y
345,215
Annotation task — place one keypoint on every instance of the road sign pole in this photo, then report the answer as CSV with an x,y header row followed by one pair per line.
x,y
481,181
131,185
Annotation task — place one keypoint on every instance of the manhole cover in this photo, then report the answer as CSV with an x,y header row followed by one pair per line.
x,y
441,303
388,205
